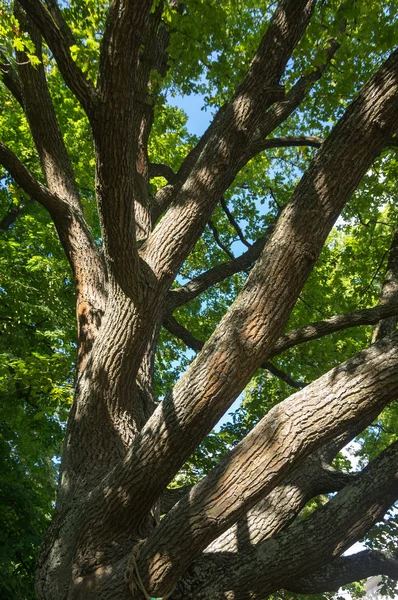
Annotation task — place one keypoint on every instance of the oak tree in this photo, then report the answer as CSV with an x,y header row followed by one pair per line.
x,y
304,97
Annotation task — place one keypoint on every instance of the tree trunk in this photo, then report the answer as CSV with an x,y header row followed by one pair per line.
x,y
228,536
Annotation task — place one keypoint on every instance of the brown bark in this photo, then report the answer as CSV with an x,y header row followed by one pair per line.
x,y
122,449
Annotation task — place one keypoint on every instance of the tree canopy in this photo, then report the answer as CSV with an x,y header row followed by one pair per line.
x,y
152,278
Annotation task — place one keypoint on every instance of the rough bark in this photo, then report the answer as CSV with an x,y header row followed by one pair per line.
x,y
123,448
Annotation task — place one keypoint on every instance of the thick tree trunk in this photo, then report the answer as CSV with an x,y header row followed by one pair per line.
x,y
122,447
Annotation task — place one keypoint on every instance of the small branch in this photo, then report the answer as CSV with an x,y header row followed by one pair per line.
x,y
161,170
259,145
218,240
367,316
10,78
59,38
298,385
234,223
11,216
179,331
200,284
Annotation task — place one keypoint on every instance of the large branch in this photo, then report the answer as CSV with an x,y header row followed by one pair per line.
x,y
250,329
274,116
59,39
289,432
42,119
79,247
83,255
220,154
344,570
301,550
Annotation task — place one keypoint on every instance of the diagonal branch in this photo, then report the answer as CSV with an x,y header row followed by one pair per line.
x,y
59,39
181,332
218,240
10,78
248,332
366,316
288,433
301,548
345,569
221,153
200,284
234,223
29,184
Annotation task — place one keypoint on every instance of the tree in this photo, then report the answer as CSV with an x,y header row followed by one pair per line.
x,y
134,241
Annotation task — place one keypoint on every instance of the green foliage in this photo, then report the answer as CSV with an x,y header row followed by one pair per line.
x,y
211,46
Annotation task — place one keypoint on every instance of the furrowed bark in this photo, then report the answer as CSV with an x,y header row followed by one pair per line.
x,y
272,565
83,255
346,569
289,432
253,324
277,510
219,154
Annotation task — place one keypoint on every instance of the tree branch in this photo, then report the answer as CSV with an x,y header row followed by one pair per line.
x,y
285,142
248,332
221,153
290,431
366,316
233,222
200,284
218,240
59,38
29,184
10,78
160,170
301,549
343,570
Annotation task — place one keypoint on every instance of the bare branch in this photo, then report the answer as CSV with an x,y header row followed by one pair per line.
x,y
200,284
234,223
160,170
299,385
345,569
10,78
366,316
58,37
285,142
218,240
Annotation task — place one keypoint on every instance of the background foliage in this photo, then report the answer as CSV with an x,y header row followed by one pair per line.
x,y
211,45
